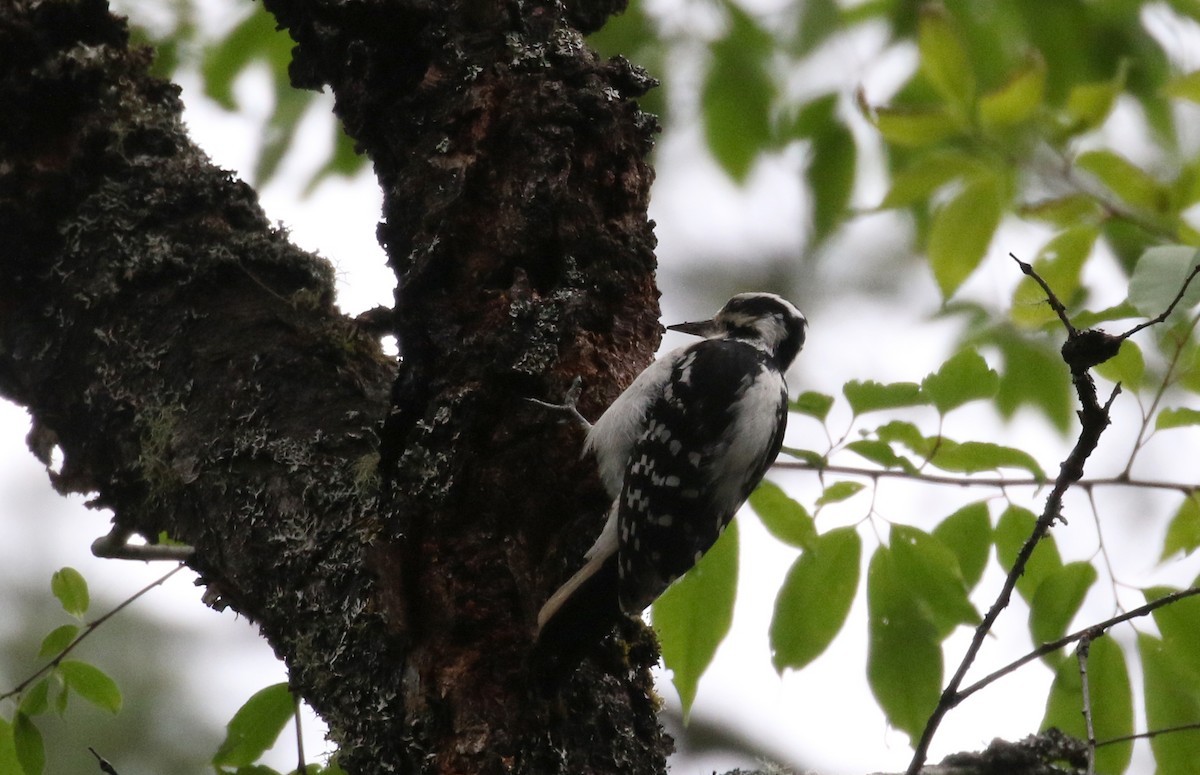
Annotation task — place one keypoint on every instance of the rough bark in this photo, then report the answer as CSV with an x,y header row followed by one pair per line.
x,y
392,531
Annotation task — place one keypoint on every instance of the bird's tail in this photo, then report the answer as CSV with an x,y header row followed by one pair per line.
x,y
576,618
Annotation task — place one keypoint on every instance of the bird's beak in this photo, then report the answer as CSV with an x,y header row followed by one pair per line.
x,y
703,328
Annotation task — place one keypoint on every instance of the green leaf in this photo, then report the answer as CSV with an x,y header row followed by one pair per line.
x,y
1012,531
1089,104
904,658
944,58
255,726
280,131
1065,211
1058,599
972,457
1177,623
1090,319
881,453
871,396
1185,86
1172,695
27,739
1111,702
1033,373
965,377
1159,275
830,175
694,615
58,639
907,434
1183,534
933,577
813,118
35,700
1060,263
60,701
813,459
255,38
1124,178
833,157
91,683
815,599
1175,418
783,517
69,587
816,21
927,174
1019,98
736,97
345,160
1127,367
9,763
333,768
913,127
838,492
1187,369
813,404
968,533
962,229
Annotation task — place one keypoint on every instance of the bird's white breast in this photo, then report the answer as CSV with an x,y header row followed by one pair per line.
x,y
614,434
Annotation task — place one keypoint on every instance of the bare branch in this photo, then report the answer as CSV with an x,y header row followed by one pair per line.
x,y
1066,640
1051,297
1149,734
1081,351
998,482
1081,655
1170,307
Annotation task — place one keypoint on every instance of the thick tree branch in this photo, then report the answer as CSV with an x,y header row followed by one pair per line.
x,y
186,359
192,368
515,181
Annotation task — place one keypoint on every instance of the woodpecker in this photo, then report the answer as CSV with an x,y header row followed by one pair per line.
x,y
679,452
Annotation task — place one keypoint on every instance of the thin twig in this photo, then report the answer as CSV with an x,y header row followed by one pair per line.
x,y
105,767
1143,437
1152,733
1051,297
1066,640
88,629
1081,655
997,482
301,768
1082,350
1170,307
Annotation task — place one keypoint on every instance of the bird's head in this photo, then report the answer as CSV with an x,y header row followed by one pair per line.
x,y
762,319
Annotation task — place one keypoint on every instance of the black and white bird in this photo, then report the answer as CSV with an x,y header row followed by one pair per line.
x,y
679,452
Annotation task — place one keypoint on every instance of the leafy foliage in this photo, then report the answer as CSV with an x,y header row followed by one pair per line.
x,y
1013,116
1009,119
22,749
255,42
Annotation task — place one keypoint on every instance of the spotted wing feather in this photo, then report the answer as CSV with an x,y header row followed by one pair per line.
x,y
722,410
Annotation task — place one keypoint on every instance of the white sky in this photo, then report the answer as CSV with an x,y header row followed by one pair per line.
x,y
823,717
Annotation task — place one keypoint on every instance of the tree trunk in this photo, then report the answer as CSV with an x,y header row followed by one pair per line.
x,y
392,530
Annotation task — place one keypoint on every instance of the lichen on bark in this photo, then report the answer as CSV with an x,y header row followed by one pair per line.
x,y
391,529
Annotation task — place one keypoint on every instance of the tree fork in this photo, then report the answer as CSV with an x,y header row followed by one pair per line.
x,y
191,366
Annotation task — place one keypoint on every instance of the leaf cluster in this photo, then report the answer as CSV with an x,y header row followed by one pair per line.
x,y
22,751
